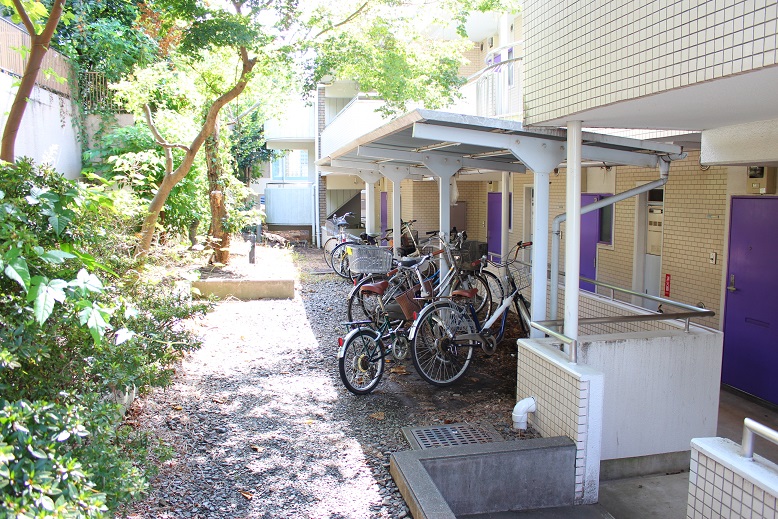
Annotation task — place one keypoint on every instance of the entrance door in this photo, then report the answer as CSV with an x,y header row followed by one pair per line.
x,y
751,311
590,236
494,224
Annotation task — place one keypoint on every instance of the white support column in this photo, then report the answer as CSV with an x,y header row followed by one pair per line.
x,y
541,157
370,178
444,168
573,234
507,186
396,174
370,207
540,249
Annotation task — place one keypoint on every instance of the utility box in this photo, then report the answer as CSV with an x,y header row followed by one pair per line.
x,y
654,235
761,180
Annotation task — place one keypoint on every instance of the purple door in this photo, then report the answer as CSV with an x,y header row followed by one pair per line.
x,y
590,235
751,309
384,211
494,224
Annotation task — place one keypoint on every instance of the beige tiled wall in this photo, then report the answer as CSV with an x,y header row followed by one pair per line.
x,y
562,403
718,490
694,222
597,52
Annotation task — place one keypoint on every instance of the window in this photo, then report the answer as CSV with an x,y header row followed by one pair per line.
x,y
292,166
606,225
278,168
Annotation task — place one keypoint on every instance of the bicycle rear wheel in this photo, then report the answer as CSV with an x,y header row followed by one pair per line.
x,y
329,246
482,302
436,353
361,361
364,306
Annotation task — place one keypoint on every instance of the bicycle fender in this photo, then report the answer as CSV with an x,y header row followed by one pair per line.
x,y
342,349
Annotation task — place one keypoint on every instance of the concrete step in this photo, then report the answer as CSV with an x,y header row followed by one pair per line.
x,y
562,512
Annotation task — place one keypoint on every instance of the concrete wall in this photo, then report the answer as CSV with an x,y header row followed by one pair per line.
x,y
46,134
724,484
660,390
597,52
358,118
569,401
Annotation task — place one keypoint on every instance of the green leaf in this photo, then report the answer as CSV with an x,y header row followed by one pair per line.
x,y
59,223
56,256
17,270
47,295
86,282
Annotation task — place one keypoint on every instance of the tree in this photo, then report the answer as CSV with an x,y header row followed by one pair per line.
x,y
41,25
248,144
275,39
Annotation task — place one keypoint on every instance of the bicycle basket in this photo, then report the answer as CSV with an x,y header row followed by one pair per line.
x,y
369,259
408,302
520,274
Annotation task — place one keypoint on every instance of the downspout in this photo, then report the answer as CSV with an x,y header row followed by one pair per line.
x,y
664,172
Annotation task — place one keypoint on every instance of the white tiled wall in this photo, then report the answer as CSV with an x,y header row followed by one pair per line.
x,y
590,53
562,403
722,485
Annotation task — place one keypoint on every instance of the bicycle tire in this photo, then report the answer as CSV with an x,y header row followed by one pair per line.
x,y
361,361
340,259
329,246
362,307
495,287
436,356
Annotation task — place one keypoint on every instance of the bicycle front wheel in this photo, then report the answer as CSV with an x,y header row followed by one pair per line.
x,y
438,356
340,260
361,361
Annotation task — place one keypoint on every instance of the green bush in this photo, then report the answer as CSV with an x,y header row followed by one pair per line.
x,y
77,322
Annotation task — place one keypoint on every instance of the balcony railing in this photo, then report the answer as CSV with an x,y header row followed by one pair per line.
x,y
12,60
498,90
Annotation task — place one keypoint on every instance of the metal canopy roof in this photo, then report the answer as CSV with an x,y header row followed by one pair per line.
x,y
481,144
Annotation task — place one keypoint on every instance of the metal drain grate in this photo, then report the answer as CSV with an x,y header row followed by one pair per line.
x,y
451,435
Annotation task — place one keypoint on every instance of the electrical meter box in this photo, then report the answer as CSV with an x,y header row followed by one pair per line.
x,y
654,237
761,180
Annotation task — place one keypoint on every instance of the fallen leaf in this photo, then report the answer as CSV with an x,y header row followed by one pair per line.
x,y
399,370
378,416
473,379
218,401
177,407
284,372
256,448
247,495
309,422
447,421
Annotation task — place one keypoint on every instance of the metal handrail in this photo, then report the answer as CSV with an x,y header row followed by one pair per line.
x,y
692,311
751,427
552,333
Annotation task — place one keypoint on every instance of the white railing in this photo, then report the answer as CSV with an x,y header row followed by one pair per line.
x,y
498,90
751,427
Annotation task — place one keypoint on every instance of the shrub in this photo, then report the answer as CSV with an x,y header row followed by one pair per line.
x,y
76,322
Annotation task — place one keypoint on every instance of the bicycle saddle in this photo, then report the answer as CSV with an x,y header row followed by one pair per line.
x,y
375,288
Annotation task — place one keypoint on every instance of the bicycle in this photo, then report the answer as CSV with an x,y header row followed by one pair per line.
x,y
362,353
341,222
445,332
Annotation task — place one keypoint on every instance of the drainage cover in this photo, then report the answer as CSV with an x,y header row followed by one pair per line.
x,y
451,435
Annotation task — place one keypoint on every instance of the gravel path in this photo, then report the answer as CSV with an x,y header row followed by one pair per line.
x,y
261,426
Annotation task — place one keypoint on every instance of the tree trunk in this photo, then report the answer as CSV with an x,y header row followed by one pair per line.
x,y
39,44
171,179
219,239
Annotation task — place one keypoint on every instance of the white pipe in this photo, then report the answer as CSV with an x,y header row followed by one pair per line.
x,y
573,238
556,226
370,207
520,410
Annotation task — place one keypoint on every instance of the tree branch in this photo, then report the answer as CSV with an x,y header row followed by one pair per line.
x,y
25,17
343,22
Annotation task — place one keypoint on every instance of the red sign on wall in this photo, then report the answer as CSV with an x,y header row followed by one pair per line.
x,y
667,285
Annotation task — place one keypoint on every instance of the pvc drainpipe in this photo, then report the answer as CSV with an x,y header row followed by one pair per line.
x,y
664,172
520,410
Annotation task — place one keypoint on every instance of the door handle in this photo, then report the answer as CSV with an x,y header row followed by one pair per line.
x,y
731,286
